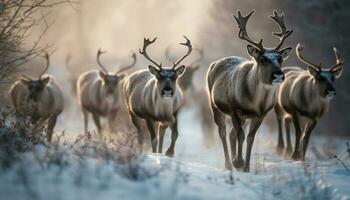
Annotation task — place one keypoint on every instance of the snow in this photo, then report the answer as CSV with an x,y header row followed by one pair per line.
x,y
195,172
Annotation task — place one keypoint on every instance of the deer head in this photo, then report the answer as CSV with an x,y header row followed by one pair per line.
x,y
324,77
36,85
112,79
166,77
269,60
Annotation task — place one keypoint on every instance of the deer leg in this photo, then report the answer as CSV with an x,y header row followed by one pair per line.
x,y
111,120
297,126
152,131
238,161
140,135
86,118
233,141
97,123
220,120
51,124
305,139
174,134
254,125
280,142
289,148
161,132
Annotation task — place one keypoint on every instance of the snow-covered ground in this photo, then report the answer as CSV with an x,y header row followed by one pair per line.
x,y
195,172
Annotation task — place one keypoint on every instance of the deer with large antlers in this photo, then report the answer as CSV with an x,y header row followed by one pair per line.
x,y
41,97
154,96
99,93
303,98
246,89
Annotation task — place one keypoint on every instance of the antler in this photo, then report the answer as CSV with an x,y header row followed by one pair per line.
x,y
27,77
47,64
188,44
302,59
99,53
242,23
201,54
339,59
279,19
131,65
146,42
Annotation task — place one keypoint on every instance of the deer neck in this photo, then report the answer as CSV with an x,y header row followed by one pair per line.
x,y
164,108
317,97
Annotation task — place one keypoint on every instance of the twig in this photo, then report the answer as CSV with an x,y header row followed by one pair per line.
x,y
348,148
334,156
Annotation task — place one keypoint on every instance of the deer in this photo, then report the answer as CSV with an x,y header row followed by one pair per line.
x,y
246,89
186,80
303,98
154,97
41,96
99,91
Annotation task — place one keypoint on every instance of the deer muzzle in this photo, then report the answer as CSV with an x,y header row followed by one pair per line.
x,y
330,92
167,92
277,77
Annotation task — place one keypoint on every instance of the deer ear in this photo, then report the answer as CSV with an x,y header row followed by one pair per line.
x,y
314,71
26,82
153,70
121,76
253,52
286,52
102,74
337,71
180,70
46,80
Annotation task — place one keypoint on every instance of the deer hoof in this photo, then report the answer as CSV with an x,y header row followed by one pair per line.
x,y
287,153
238,163
279,150
295,156
246,169
228,165
169,153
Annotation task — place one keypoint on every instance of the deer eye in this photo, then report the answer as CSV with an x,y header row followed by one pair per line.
x,y
160,77
279,59
264,60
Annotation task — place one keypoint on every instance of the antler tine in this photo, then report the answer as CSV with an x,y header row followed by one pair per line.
x,y
27,77
131,65
302,59
47,58
146,42
201,54
339,59
189,45
279,19
99,53
242,25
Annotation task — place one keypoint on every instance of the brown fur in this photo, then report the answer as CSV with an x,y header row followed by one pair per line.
x,y
99,93
303,98
154,96
145,103
48,103
243,89
94,98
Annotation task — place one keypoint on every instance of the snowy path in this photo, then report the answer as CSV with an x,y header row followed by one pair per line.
x,y
196,172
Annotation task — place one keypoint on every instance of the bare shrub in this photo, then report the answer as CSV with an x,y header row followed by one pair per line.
x,y
17,19
18,133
